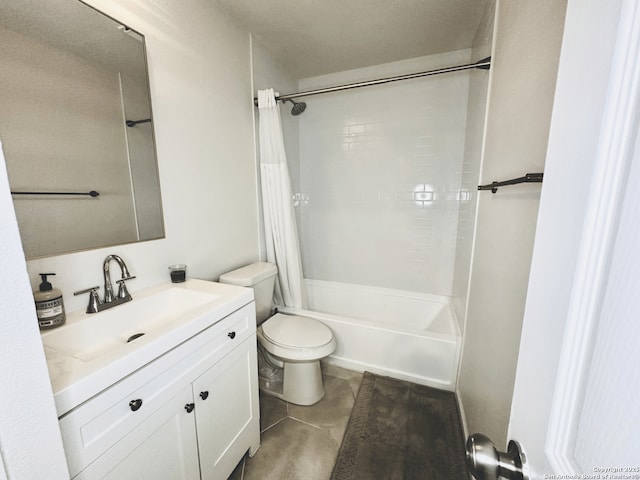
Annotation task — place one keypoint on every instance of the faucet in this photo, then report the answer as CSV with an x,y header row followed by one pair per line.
x,y
110,300
122,288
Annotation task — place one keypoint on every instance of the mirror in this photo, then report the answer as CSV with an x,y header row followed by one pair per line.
x,y
75,117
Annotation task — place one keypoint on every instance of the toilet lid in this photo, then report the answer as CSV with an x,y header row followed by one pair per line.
x,y
296,332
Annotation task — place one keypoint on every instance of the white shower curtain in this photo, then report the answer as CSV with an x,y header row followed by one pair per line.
x,y
283,248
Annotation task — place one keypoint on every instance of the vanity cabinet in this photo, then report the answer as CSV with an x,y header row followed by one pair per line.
x,y
163,446
190,414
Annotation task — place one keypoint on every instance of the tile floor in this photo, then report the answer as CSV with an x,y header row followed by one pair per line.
x,y
302,442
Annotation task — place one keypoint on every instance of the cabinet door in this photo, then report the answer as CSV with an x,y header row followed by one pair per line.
x,y
227,415
164,446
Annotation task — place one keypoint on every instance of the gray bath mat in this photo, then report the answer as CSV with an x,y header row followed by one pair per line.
x,y
401,430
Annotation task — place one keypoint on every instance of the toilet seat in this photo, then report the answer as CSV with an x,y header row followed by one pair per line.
x,y
296,338
293,331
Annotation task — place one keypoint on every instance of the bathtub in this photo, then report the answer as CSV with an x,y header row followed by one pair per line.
x,y
406,335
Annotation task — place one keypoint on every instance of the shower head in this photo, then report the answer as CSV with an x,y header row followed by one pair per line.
x,y
298,107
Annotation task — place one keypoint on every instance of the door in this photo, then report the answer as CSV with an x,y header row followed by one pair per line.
x,y
575,404
227,415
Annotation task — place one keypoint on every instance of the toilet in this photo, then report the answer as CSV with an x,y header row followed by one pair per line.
x,y
290,347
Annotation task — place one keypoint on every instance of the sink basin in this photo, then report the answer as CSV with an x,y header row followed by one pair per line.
x,y
103,333
92,351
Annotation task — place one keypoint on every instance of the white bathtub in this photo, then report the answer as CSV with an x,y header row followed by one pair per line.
x,y
406,335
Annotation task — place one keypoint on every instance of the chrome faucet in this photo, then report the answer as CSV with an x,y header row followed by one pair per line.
x,y
123,294
110,300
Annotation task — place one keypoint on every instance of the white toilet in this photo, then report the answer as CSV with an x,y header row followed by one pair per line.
x,y
290,347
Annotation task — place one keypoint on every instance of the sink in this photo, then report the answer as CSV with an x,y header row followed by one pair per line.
x,y
105,332
92,351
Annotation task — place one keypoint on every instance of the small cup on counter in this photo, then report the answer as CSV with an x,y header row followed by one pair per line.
x,y
178,272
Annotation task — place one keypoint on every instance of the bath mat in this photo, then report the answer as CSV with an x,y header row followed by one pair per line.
x,y
404,431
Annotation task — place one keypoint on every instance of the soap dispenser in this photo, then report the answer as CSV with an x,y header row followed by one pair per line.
x,y
49,306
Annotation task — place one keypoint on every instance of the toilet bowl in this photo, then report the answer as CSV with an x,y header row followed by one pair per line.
x,y
298,343
290,347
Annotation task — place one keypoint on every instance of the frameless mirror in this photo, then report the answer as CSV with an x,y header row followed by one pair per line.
x,y
76,128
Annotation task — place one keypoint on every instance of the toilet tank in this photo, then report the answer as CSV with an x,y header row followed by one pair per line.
x,y
261,277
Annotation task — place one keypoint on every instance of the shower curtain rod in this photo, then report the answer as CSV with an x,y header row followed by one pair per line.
x,y
483,64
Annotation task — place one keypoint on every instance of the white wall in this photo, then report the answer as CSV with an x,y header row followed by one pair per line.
x,y
525,59
201,92
381,168
199,69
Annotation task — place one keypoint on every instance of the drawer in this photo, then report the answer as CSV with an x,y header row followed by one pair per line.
x,y
93,427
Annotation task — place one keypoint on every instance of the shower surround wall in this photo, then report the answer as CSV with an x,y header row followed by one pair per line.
x,y
380,176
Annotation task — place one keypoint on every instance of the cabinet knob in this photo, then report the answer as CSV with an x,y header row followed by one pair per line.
x,y
204,395
135,404
231,335
189,407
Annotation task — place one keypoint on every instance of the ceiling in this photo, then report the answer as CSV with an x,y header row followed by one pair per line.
x,y
315,37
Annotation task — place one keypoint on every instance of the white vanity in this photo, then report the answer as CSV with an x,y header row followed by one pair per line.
x,y
179,402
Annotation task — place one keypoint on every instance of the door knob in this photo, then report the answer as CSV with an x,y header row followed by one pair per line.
x,y
486,463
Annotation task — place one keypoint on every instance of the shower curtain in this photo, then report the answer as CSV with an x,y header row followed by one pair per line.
x,y
281,236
